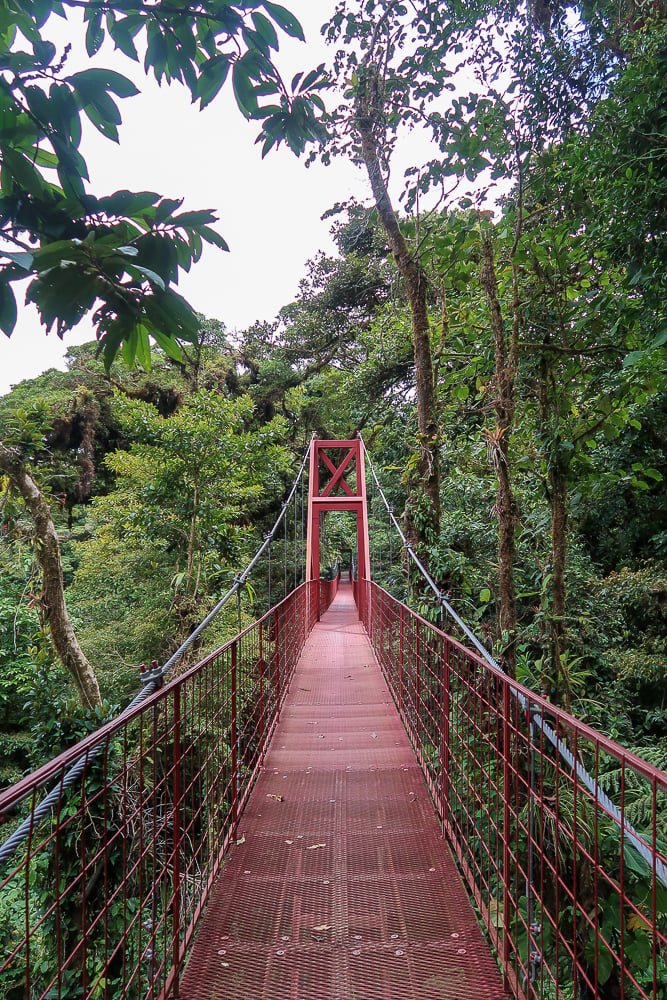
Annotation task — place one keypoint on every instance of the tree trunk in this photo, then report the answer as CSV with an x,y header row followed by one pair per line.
x,y
558,489
422,530
47,551
192,536
557,495
498,448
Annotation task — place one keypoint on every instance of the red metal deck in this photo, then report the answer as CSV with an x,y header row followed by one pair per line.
x,y
341,887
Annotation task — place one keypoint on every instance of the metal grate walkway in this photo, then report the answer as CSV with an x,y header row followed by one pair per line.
x,y
341,887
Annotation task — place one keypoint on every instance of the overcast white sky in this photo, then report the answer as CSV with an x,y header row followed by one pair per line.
x,y
269,210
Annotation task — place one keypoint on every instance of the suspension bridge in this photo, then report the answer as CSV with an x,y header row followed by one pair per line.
x,y
344,801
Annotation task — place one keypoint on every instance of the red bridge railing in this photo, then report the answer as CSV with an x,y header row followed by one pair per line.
x,y
560,833
102,899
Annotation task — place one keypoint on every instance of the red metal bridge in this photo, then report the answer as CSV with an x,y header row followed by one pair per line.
x,y
341,802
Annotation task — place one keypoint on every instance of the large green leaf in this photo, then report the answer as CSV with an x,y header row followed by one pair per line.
x,y
244,90
264,28
7,308
94,34
96,80
285,20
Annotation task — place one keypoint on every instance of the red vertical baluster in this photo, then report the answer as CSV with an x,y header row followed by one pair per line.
x,y
418,679
288,644
84,878
372,611
382,630
279,639
261,695
444,750
506,876
575,852
235,762
292,642
623,908
303,618
176,860
400,661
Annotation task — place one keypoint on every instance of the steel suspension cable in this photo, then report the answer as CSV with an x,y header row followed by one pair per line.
x,y
152,682
373,547
391,549
600,797
286,510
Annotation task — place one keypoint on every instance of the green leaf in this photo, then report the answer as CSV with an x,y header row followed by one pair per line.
x,y
43,157
201,218
264,28
213,74
23,172
130,203
170,346
44,51
312,77
285,20
166,208
23,260
96,80
143,347
129,348
211,236
101,122
123,38
605,963
94,34
146,272
8,311
244,91
156,53
485,596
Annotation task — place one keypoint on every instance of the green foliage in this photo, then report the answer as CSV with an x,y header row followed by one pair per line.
x,y
169,537
190,459
118,257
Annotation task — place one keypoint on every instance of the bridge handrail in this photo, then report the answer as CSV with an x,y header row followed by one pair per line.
x,y
567,902
152,682
14,795
104,895
524,695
